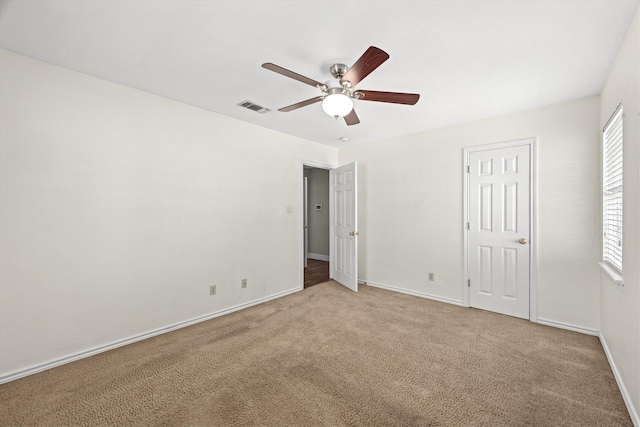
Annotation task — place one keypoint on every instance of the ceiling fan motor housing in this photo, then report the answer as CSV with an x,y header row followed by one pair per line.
x,y
332,87
334,90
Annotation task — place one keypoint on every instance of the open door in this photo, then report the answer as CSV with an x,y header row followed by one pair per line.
x,y
305,219
344,221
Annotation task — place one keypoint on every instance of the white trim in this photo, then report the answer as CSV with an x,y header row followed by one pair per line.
x,y
633,413
317,165
465,233
318,257
332,200
569,327
533,219
414,293
615,276
533,256
126,341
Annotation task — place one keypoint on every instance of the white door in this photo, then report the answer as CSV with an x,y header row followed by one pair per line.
x,y
305,217
344,221
499,230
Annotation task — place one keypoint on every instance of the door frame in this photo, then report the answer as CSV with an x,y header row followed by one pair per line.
x,y
533,219
301,259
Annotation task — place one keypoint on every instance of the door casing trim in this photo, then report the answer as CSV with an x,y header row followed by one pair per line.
x,y
533,219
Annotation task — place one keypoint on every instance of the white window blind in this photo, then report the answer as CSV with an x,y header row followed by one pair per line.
x,y
612,191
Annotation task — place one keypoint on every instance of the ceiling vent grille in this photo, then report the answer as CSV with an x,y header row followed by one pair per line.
x,y
254,107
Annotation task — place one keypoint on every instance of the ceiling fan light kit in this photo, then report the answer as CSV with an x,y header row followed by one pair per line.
x,y
337,102
337,97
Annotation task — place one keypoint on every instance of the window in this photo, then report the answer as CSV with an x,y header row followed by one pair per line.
x,y
612,191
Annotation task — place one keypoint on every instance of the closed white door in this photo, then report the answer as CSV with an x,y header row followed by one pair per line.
x,y
344,219
499,230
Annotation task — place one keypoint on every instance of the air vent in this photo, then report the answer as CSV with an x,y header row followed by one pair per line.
x,y
255,107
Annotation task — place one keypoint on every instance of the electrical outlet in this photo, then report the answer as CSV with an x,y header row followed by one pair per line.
x,y
244,283
212,290
432,277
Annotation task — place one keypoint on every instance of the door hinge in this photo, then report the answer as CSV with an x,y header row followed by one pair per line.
x,y
468,226
469,283
468,168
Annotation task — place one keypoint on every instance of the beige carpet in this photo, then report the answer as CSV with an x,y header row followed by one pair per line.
x,y
327,356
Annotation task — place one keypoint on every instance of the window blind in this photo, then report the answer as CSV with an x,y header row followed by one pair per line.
x,y
612,191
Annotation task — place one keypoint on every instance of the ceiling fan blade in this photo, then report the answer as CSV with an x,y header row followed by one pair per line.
x,y
352,118
278,69
371,59
301,104
393,97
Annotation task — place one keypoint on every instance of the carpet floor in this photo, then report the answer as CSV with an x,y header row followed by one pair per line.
x,y
329,357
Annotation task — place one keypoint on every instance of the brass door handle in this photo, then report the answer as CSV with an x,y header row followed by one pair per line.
x,y
523,241
353,233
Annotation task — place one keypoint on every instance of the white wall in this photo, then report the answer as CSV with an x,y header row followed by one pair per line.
x,y
620,308
119,209
411,207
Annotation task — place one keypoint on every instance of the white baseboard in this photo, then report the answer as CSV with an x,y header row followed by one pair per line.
x,y
568,327
5,378
414,293
100,349
318,257
633,412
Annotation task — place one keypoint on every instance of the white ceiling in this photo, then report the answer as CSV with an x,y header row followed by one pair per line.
x,y
468,60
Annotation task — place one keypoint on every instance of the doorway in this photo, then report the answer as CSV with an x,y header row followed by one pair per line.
x,y
316,224
500,228
342,210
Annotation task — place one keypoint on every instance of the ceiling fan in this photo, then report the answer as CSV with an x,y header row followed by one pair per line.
x,y
337,96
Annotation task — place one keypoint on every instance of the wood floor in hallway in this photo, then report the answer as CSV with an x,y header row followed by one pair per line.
x,y
315,272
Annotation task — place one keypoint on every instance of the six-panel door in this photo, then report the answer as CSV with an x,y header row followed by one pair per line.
x,y
344,253
499,209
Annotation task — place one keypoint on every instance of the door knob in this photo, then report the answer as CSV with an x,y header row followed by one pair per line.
x,y
353,233
523,241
